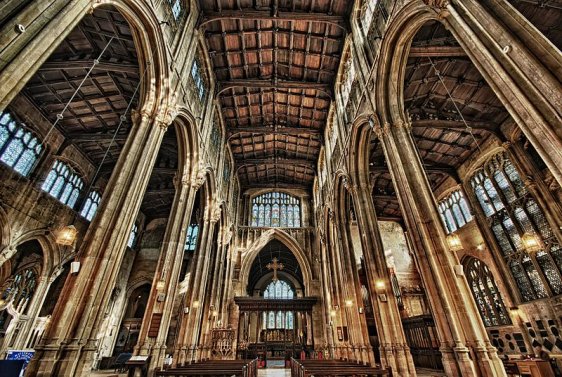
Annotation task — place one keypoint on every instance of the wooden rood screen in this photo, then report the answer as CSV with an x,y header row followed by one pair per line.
x,y
421,336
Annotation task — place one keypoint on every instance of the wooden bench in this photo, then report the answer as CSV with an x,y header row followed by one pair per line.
x,y
306,368
219,368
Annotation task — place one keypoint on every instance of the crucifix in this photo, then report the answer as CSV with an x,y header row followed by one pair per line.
x,y
275,266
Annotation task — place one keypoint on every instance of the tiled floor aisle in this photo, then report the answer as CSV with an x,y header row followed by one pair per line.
x,y
274,372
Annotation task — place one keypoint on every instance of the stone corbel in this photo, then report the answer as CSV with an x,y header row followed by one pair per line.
x,y
215,212
381,130
439,7
198,179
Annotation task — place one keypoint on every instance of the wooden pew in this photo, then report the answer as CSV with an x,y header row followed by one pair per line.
x,y
218,368
305,368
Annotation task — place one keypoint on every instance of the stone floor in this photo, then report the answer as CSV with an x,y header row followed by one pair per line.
x,y
274,372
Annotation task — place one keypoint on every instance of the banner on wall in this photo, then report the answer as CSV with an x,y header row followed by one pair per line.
x,y
24,355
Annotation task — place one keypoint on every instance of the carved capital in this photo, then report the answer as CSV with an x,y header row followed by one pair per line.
x,y
530,182
507,145
405,124
198,177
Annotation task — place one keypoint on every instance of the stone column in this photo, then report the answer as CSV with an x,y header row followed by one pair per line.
x,y
166,278
465,346
190,329
394,349
519,69
69,345
46,24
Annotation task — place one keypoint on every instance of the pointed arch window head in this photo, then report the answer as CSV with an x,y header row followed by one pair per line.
x,y
513,212
63,183
276,209
454,211
486,294
91,205
19,148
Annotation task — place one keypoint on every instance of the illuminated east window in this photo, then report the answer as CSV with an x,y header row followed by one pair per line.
x,y
191,237
485,292
512,212
454,211
19,148
278,290
276,209
63,183
91,205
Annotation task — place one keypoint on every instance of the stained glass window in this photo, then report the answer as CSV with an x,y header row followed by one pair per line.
x,y
512,212
133,236
278,320
276,209
198,76
20,289
19,148
191,237
91,205
176,8
486,293
454,211
63,183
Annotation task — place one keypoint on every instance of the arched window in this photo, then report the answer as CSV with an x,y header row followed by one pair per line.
x,y
133,236
278,290
91,205
198,76
20,289
276,209
454,211
63,183
19,148
191,237
485,292
513,212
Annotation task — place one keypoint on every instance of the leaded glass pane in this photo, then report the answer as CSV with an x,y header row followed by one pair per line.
x,y
550,271
19,148
451,212
275,209
534,277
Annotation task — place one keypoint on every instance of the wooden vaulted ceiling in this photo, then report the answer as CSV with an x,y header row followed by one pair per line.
x,y
275,63
92,117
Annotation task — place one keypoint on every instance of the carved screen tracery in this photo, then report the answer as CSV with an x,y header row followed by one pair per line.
x,y
486,293
276,209
512,212
278,290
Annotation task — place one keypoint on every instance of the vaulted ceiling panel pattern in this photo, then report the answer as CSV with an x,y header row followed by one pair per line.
x,y
275,64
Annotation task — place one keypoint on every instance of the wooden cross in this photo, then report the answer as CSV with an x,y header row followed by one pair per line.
x,y
275,266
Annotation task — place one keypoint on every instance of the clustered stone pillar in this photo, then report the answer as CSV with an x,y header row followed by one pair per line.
x,y
465,346
69,344
188,345
518,62
166,278
393,347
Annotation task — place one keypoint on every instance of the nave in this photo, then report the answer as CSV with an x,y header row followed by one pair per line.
x,y
374,182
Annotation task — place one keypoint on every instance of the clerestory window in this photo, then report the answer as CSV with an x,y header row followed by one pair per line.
x,y
63,183
19,148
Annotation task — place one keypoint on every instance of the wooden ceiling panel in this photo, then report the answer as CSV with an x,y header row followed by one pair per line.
x,y
275,66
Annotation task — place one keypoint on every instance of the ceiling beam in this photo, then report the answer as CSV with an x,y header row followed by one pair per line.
x,y
277,161
278,185
436,51
454,124
279,130
88,63
268,15
84,137
449,170
276,84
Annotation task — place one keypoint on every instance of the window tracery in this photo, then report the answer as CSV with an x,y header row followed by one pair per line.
x,y
91,205
19,148
454,211
486,293
198,76
278,290
276,209
512,212
133,236
191,237
20,289
63,183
